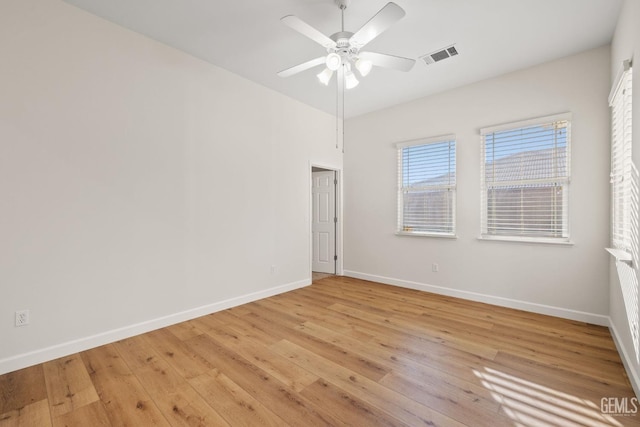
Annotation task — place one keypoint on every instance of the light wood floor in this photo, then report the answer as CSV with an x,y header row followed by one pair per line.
x,y
339,352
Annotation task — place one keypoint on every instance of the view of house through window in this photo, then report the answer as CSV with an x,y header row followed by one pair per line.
x,y
525,179
427,186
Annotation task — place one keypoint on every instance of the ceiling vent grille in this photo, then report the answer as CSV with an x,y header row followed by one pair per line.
x,y
439,55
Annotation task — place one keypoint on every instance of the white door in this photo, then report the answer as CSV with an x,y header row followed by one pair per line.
x,y
323,227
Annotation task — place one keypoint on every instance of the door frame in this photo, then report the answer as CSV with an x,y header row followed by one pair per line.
x,y
339,215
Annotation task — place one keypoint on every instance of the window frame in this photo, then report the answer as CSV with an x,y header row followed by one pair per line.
x,y
564,239
401,230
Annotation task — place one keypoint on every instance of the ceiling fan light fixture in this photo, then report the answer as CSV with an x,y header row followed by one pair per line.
x,y
325,76
364,66
350,80
333,61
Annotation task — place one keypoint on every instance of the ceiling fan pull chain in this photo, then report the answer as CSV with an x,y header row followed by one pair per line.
x,y
337,109
343,119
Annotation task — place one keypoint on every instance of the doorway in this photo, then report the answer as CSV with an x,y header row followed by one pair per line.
x,y
324,221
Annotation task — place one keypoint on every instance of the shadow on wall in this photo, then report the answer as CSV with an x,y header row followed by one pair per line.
x,y
628,273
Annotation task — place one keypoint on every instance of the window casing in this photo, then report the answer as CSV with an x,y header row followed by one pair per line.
x,y
525,176
427,187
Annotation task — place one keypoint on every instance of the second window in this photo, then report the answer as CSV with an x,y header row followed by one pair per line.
x,y
525,180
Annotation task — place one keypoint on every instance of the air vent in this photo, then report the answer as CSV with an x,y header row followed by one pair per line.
x,y
439,55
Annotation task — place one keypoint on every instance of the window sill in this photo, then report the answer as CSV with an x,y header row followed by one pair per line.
x,y
621,255
418,234
538,241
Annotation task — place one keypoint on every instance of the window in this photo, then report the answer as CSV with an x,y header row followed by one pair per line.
x,y
621,164
624,200
427,187
525,180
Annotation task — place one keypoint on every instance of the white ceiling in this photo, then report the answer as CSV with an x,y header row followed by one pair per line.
x,y
247,38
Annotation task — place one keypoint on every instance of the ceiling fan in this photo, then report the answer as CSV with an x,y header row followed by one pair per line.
x,y
344,47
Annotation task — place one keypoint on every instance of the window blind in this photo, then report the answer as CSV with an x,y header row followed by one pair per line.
x,y
621,163
427,186
525,179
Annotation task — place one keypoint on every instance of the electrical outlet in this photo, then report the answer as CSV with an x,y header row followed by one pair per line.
x,y
22,317
434,267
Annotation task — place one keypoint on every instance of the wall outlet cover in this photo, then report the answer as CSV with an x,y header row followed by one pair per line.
x,y
22,317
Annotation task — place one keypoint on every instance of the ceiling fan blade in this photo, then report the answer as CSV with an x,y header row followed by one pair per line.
x,y
307,30
382,20
388,61
302,67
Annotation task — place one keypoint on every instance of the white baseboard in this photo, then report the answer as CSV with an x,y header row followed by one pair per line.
x,y
596,319
634,379
31,358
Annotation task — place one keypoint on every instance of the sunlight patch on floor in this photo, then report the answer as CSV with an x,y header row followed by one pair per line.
x,y
532,404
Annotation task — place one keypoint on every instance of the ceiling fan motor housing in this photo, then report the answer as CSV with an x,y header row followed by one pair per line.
x,y
343,46
341,38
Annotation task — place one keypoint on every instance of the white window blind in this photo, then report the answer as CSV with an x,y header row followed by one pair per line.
x,y
525,180
427,186
620,103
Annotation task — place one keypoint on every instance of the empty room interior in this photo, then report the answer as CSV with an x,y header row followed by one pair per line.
x,y
319,212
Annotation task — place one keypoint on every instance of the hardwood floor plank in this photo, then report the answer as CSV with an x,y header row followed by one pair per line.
x,y
21,388
248,328
93,415
177,354
395,404
272,363
532,344
357,363
351,410
551,415
423,331
586,387
34,414
446,401
125,400
175,398
416,312
274,394
308,309
237,406
68,385
480,311
453,384
412,312
605,371
423,349
184,330
239,310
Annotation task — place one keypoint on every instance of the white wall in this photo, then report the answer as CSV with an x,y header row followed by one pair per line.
x,y
569,281
626,45
139,186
